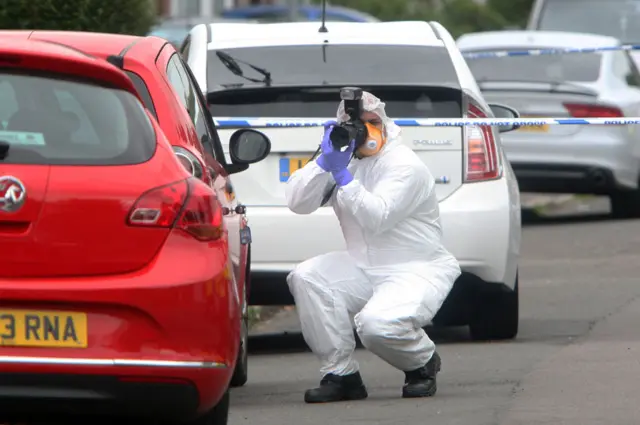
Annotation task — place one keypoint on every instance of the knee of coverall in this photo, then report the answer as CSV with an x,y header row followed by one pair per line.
x,y
374,328
301,277
294,281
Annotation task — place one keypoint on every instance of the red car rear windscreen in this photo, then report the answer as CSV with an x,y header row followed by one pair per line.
x,y
45,119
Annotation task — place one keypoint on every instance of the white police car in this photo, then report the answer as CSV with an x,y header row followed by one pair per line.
x,y
255,73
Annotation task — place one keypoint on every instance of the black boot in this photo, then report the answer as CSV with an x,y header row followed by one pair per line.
x,y
337,388
422,382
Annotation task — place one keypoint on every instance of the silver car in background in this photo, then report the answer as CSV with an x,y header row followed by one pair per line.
x,y
585,159
615,18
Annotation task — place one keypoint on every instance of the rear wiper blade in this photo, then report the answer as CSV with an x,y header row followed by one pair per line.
x,y
233,65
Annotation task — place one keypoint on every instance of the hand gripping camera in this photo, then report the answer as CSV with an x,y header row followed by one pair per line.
x,y
353,128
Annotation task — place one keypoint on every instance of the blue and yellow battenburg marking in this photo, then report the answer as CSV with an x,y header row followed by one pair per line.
x,y
288,166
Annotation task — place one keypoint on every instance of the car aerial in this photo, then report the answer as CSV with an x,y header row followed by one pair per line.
x,y
176,29
283,13
252,71
585,159
125,260
613,18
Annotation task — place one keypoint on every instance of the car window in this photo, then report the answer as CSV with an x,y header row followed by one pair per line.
x,y
9,104
143,92
633,76
583,67
49,120
312,65
406,101
621,68
184,49
615,18
180,85
85,133
187,91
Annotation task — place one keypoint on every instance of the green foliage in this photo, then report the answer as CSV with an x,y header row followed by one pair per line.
x,y
387,10
463,16
516,12
111,16
458,16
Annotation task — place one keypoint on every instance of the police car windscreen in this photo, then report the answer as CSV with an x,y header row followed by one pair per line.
x,y
577,67
49,120
414,81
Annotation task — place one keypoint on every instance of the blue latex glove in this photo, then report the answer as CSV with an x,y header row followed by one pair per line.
x,y
331,159
342,177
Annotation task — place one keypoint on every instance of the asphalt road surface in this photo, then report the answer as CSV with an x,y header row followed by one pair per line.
x,y
575,361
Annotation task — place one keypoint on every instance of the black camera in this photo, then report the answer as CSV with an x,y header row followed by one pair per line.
x,y
353,128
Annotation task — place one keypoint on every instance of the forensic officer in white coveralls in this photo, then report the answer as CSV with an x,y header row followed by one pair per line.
x,y
395,274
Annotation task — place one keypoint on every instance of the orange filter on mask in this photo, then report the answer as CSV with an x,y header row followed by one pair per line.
x,y
374,142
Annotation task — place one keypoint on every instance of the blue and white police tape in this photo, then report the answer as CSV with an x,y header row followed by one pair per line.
x,y
540,52
427,122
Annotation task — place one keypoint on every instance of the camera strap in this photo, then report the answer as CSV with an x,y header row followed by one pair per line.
x,y
328,195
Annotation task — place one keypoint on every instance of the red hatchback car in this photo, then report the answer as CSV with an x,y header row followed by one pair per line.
x,y
123,252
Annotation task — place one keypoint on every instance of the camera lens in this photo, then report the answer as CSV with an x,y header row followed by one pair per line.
x,y
339,137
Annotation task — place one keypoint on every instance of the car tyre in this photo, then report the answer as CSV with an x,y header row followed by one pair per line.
x,y
625,204
219,415
497,316
241,372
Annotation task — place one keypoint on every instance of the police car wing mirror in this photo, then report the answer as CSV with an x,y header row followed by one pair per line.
x,y
248,146
505,111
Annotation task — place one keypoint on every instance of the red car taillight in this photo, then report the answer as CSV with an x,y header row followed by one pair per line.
x,y
482,153
189,205
583,110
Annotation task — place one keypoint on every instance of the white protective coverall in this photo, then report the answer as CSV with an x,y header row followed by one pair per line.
x,y
395,274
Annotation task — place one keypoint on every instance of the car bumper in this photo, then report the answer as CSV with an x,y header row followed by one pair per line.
x,y
157,325
42,392
481,228
566,178
582,163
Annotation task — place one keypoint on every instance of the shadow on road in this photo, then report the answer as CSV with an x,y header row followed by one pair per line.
x,y
541,331
293,342
531,218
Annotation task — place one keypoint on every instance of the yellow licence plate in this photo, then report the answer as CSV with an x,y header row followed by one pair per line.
x,y
289,165
48,329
